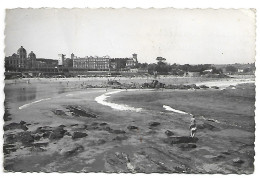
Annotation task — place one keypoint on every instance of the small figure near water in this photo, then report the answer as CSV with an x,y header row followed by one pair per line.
x,y
193,127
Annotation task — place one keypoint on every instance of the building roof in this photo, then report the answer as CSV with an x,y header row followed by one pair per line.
x,y
31,55
21,50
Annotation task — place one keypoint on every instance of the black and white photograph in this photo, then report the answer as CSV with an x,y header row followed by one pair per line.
x,y
129,90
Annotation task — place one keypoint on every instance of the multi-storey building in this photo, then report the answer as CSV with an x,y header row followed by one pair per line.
x,y
104,63
20,62
92,63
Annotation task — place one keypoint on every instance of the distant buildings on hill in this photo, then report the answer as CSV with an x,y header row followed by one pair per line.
x,y
21,62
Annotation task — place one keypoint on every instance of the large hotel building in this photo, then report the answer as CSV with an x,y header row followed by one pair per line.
x,y
104,63
21,62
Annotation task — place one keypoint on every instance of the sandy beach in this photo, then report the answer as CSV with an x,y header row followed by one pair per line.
x,y
60,125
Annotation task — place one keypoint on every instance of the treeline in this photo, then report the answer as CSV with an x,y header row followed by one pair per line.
x,y
163,68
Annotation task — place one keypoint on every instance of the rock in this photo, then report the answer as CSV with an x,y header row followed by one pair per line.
x,y
180,139
131,127
76,135
181,169
120,138
103,124
203,86
169,133
7,115
43,129
37,137
10,138
40,144
218,158
154,124
37,149
22,122
14,125
215,87
8,148
107,129
207,126
94,128
67,133
77,111
72,151
238,161
118,131
46,134
187,146
226,152
59,112
57,133
25,137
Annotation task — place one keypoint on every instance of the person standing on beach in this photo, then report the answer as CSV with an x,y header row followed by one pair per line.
x,y
193,127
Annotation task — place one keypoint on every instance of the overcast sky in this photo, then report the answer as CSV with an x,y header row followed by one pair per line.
x,y
181,36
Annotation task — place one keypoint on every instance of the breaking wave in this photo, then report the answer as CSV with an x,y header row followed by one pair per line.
x,y
226,83
26,105
102,99
168,108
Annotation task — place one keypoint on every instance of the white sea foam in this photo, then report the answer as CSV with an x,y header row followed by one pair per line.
x,y
102,99
26,105
226,83
168,108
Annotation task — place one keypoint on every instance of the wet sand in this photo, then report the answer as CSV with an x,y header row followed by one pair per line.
x,y
64,128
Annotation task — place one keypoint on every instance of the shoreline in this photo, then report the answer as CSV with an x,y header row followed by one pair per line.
x,y
77,127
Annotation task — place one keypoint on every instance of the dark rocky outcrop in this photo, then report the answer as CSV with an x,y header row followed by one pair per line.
x,y
215,87
57,133
8,148
154,124
59,112
203,86
117,131
103,124
14,125
131,127
238,161
207,126
76,135
76,111
169,133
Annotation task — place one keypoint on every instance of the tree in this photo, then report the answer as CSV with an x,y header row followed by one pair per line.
x,y
231,68
160,60
151,68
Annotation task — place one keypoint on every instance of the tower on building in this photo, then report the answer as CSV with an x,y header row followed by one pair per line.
x,y
72,56
61,59
31,60
135,57
21,52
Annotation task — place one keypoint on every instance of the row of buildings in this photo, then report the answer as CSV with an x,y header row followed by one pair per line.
x,y
20,61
